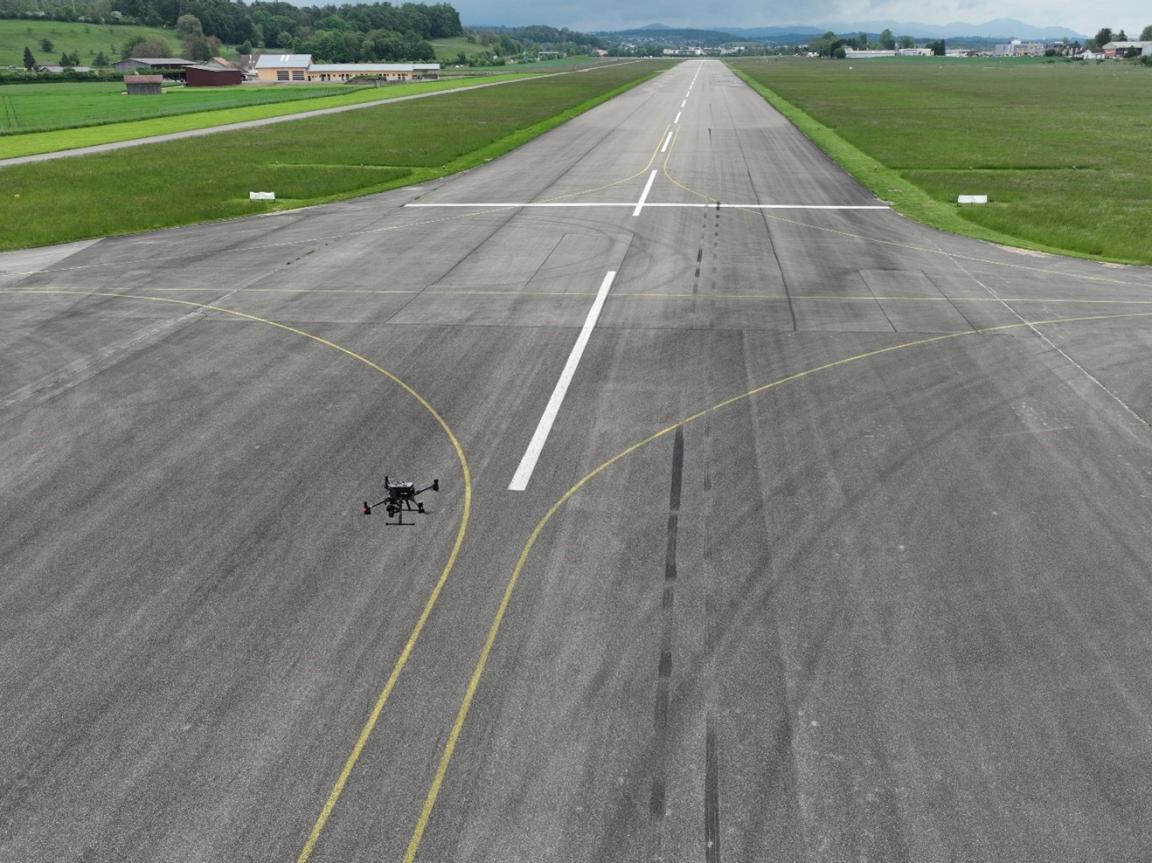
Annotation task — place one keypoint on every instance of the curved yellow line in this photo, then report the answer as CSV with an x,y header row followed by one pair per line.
x,y
494,629
414,635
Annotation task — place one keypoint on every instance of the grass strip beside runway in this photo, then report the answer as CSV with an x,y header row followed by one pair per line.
x,y
304,162
106,116
1059,148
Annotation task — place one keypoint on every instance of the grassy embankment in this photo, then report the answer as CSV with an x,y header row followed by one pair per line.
x,y
85,40
305,162
1059,148
267,101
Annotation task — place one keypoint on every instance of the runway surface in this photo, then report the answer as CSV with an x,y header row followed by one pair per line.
x,y
835,547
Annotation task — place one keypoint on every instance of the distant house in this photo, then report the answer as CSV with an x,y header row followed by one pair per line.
x,y
144,85
170,67
299,68
1120,49
56,68
213,75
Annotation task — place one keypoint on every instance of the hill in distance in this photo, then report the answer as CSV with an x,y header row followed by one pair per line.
x,y
1000,28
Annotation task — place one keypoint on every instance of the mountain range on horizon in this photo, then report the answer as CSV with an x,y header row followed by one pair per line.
x,y
999,28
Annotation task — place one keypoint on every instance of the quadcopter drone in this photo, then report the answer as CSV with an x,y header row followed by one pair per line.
x,y
401,496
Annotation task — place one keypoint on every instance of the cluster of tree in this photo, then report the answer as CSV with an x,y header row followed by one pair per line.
x,y
369,31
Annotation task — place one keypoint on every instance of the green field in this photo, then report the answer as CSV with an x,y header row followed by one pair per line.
x,y
1061,149
41,107
447,49
86,40
295,99
304,162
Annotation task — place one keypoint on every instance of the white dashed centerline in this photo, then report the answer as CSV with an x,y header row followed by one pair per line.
x,y
677,120
544,427
667,141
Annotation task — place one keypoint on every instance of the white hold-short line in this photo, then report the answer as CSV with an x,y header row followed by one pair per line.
x,y
644,194
667,141
644,203
544,427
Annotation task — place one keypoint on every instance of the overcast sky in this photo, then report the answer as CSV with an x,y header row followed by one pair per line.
x,y
617,14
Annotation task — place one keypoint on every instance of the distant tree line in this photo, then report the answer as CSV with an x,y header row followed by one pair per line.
x,y
498,45
346,33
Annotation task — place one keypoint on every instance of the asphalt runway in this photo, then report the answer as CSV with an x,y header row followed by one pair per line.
x,y
835,548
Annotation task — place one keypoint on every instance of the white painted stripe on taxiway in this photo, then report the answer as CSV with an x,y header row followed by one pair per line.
x,y
544,427
644,194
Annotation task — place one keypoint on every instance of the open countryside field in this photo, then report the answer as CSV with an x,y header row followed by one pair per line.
x,y
296,99
86,40
304,162
42,107
1061,149
448,49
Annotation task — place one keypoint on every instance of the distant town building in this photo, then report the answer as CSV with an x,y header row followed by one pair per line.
x,y
213,75
870,54
171,68
299,68
1121,49
56,68
1019,48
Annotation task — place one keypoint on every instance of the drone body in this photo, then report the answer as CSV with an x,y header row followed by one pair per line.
x,y
400,499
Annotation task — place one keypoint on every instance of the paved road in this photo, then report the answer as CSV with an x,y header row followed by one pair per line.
x,y
836,548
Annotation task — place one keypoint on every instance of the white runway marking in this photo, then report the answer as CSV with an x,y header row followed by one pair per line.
x,y
677,120
685,102
667,141
644,203
644,194
544,427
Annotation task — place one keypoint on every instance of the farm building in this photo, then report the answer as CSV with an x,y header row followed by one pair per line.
x,y
300,69
212,75
143,85
170,67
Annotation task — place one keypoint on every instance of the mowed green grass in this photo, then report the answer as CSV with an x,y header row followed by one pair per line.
x,y
304,162
295,99
1061,149
42,107
448,49
86,40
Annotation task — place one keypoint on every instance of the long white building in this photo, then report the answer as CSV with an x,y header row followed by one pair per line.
x,y
299,69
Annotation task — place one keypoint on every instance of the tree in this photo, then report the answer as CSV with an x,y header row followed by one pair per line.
x,y
887,40
1121,36
1103,37
189,25
862,41
46,45
906,42
937,47
1146,34
141,47
100,60
29,60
